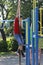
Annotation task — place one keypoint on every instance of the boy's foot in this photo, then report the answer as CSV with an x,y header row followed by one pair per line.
x,y
20,52
17,54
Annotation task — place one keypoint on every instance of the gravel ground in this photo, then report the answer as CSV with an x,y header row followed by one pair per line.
x,y
14,60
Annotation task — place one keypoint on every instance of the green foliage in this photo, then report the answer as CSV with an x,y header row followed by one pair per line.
x,y
14,45
40,43
11,6
26,6
9,29
3,46
10,45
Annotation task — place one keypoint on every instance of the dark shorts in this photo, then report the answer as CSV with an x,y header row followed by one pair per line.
x,y
19,39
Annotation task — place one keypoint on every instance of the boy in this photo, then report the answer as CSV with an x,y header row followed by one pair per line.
x,y
18,35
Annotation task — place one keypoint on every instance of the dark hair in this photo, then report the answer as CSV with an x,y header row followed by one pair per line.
x,y
20,16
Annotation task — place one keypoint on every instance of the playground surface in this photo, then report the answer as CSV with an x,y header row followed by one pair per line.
x,y
14,60
11,60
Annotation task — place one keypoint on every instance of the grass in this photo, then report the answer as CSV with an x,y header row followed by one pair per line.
x,y
41,43
7,53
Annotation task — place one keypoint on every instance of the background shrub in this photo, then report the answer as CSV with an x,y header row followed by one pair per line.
x,y
3,46
14,45
9,45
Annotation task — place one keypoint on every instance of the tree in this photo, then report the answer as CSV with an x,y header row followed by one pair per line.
x,y
10,6
26,8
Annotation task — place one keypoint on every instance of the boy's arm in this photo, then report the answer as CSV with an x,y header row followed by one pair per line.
x,y
21,28
18,9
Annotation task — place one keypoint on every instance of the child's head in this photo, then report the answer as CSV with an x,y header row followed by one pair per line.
x,y
20,18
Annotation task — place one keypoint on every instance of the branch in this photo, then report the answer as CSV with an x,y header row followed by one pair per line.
x,y
3,7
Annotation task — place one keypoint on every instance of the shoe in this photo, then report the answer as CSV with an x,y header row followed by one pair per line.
x,y
22,53
17,53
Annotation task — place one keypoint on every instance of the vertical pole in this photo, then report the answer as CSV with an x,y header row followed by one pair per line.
x,y
20,58
18,12
40,21
34,4
33,49
36,30
29,39
27,58
28,42
33,33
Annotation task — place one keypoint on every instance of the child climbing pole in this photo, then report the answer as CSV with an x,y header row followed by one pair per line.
x,y
17,30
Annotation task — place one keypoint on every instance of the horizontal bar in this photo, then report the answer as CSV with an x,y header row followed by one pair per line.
x,y
41,27
6,20
41,9
40,36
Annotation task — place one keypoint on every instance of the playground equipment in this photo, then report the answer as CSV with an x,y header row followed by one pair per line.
x,y
34,37
35,57
34,41
18,15
28,43
41,22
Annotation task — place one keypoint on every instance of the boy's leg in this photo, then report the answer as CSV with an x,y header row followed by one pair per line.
x,y
21,46
20,43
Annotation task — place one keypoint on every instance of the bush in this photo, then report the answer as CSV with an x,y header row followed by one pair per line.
x,y
9,45
14,45
3,46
